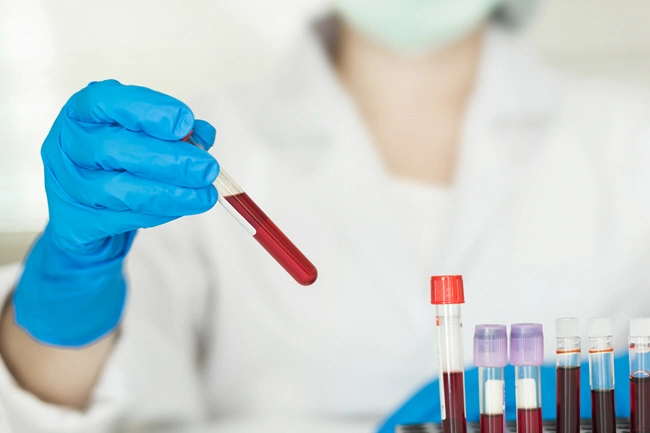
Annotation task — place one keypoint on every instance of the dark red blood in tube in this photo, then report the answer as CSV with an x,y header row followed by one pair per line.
x,y
603,413
454,392
273,240
529,420
640,404
568,399
492,423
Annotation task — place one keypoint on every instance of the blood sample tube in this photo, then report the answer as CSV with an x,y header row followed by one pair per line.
x,y
601,375
491,356
447,294
257,224
639,350
527,355
567,375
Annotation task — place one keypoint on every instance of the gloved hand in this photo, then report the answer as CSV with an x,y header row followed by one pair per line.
x,y
424,405
114,162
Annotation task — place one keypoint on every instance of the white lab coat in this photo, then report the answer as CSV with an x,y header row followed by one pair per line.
x,y
549,216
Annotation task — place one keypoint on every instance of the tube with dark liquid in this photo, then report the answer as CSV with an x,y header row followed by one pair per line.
x,y
567,375
601,375
491,356
447,294
527,355
264,231
639,351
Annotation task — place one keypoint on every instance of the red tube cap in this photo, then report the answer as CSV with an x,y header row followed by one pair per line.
x,y
447,289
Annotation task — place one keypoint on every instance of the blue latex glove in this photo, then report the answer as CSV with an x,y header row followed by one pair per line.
x,y
424,406
114,162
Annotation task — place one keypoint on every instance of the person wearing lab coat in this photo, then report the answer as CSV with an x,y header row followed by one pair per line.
x,y
387,158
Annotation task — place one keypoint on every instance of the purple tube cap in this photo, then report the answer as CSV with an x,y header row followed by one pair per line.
x,y
490,346
526,344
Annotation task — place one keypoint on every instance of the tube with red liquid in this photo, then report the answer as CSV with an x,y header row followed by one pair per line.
x,y
447,294
527,355
639,351
567,375
260,226
601,375
491,356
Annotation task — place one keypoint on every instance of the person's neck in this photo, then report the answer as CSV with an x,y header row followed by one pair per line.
x,y
413,106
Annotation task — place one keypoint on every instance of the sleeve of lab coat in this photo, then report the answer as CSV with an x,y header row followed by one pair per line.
x,y
152,376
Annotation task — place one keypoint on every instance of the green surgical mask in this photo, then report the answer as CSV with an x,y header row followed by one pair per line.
x,y
415,26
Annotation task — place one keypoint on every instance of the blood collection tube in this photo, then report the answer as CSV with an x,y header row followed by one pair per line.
x,y
491,356
527,355
567,375
260,226
447,294
639,350
601,375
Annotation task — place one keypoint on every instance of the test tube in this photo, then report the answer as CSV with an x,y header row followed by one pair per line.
x,y
447,294
567,375
601,375
491,356
639,350
527,355
257,224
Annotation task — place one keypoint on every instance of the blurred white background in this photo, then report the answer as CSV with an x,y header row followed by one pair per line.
x,y
50,49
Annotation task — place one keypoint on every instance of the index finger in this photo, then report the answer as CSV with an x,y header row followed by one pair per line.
x,y
133,107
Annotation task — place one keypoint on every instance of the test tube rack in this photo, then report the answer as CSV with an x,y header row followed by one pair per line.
x,y
622,426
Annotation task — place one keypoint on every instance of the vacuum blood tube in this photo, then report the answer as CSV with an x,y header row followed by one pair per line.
x,y
601,375
527,355
639,351
567,375
257,224
447,294
491,356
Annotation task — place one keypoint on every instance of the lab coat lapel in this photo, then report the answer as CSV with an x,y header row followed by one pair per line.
x,y
351,175
373,224
507,120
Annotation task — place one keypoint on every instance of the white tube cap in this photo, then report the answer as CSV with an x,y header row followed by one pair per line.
x,y
640,327
599,327
567,327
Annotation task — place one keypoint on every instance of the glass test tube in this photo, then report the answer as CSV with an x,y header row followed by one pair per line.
x,y
639,351
567,375
257,224
527,355
447,294
491,356
601,375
